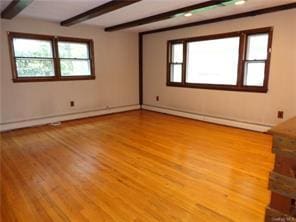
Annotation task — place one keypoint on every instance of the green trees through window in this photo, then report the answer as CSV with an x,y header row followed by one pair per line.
x,y
74,59
34,58
37,57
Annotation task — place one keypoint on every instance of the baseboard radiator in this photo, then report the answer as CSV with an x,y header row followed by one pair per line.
x,y
211,119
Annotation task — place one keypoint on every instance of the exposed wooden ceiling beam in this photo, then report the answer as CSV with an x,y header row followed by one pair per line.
x,y
164,16
100,10
225,18
14,8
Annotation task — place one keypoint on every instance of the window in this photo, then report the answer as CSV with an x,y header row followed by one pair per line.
x,y
257,53
74,58
33,58
48,58
176,62
231,61
203,54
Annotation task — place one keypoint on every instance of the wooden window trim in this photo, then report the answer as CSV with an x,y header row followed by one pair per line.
x,y
243,35
54,41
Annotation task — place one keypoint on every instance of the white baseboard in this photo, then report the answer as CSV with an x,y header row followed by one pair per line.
x,y
99,112
64,117
212,119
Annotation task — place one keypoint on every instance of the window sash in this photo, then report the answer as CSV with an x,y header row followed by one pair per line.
x,y
234,64
36,75
172,66
63,74
55,58
81,43
242,61
246,72
23,42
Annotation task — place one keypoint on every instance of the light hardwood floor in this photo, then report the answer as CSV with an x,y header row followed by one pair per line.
x,y
136,166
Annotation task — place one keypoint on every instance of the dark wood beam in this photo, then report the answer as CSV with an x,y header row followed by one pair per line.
x,y
100,10
14,8
225,18
164,16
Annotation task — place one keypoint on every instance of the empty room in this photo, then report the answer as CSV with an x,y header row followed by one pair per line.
x,y
148,110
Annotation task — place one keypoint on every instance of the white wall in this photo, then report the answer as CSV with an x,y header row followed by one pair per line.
x,y
116,67
259,108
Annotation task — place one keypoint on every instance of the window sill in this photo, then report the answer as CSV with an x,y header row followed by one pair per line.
x,y
50,79
254,89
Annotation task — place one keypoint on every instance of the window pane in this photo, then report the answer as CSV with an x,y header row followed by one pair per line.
x,y
213,61
34,67
75,67
177,53
32,48
73,50
176,73
254,73
257,47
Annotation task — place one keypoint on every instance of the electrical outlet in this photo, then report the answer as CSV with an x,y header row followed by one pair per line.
x,y
157,98
72,103
280,114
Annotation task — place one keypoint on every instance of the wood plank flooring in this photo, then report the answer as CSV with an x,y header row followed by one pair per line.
x,y
136,166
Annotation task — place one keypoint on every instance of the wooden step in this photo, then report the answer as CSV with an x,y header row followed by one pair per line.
x,y
272,215
283,185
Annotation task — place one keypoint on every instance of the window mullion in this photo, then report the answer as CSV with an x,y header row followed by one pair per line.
x,y
169,52
267,62
56,59
184,63
242,57
91,58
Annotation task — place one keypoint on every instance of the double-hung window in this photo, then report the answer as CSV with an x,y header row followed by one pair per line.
x,y
176,62
74,57
47,58
231,61
33,58
257,61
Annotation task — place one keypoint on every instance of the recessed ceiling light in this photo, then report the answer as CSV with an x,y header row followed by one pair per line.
x,y
240,2
188,14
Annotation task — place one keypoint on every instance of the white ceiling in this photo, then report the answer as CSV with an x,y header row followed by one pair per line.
x,y
59,10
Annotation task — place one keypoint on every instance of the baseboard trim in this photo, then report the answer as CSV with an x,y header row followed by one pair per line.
x,y
211,119
64,117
